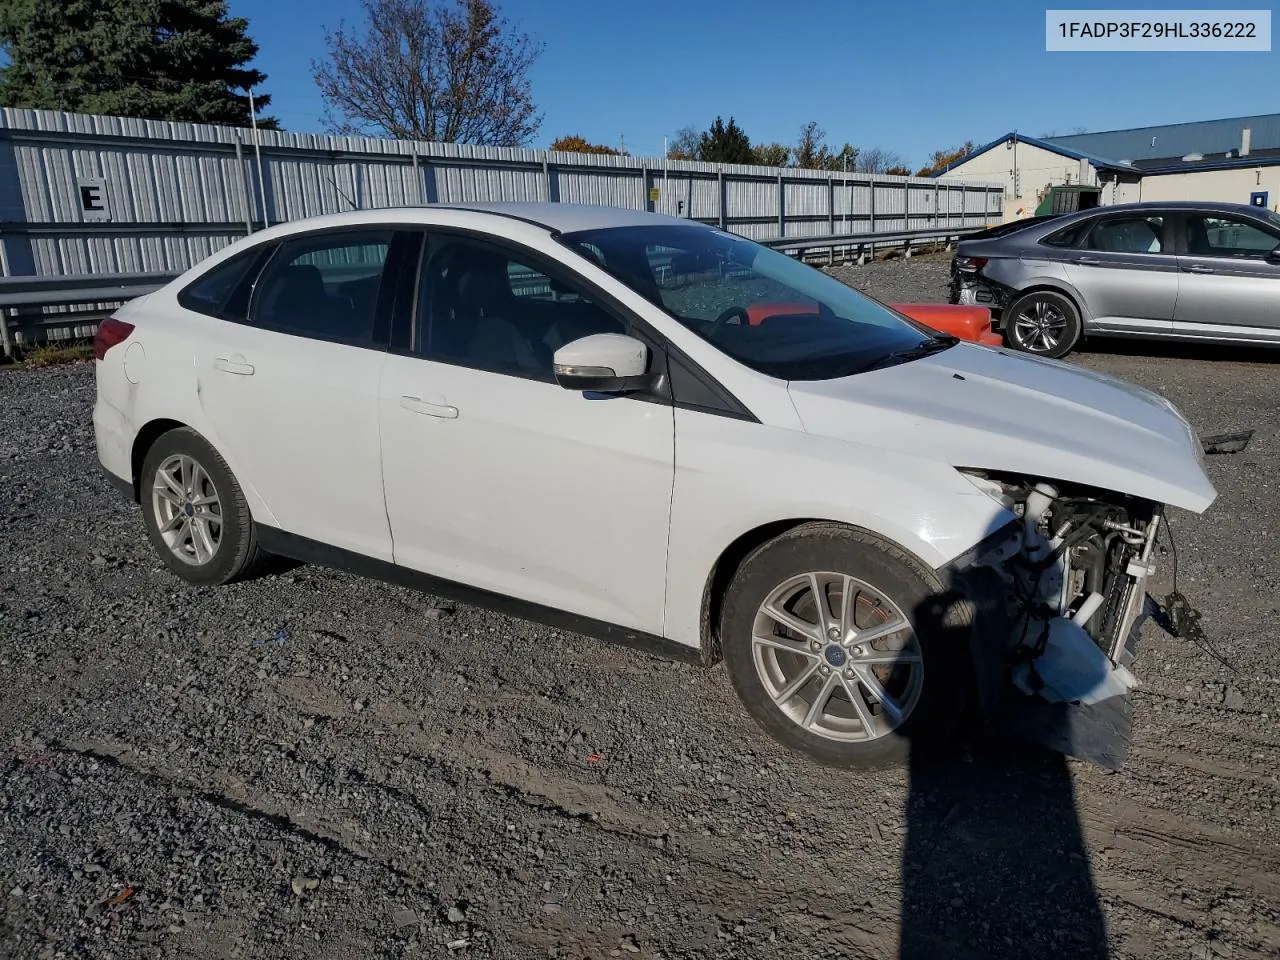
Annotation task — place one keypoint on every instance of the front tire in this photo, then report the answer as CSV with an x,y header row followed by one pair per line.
x,y
195,512
845,648
1043,323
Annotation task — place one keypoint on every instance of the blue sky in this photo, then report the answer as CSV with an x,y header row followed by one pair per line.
x,y
908,76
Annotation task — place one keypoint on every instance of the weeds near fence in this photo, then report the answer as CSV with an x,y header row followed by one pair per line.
x,y
56,354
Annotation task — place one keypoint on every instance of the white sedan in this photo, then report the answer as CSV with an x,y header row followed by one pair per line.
x,y
653,431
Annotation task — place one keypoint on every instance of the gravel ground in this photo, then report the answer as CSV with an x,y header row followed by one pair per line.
x,y
311,765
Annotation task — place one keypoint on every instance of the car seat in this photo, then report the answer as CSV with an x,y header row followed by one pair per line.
x,y
489,312
298,300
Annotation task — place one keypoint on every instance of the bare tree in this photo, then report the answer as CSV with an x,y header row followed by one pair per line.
x,y
810,153
684,145
444,70
878,160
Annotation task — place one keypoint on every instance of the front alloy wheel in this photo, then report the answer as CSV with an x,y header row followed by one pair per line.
x,y
837,656
846,648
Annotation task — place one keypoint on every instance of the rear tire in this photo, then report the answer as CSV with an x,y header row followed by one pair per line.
x,y
1042,323
195,512
911,683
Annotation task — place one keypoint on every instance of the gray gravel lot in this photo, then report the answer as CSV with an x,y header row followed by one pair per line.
x,y
311,765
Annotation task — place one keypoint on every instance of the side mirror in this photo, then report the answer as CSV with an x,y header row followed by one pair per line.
x,y
1274,255
604,363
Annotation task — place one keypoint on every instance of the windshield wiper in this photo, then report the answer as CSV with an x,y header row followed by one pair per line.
x,y
934,344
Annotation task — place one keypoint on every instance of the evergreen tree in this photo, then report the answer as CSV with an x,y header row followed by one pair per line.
x,y
159,59
725,144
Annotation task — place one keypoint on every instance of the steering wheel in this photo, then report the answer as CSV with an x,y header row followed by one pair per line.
x,y
722,321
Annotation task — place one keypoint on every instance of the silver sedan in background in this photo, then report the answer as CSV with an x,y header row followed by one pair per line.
x,y
1182,271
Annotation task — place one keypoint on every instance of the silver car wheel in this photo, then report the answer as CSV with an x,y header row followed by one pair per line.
x,y
188,510
837,656
1039,327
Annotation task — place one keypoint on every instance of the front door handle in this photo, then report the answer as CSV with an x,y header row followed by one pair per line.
x,y
238,367
1197,268
426,407
1087,261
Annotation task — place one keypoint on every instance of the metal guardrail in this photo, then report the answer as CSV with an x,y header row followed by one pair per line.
x,y
83,299
863,242
18,292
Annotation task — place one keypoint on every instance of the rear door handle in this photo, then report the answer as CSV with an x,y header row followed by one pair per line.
x,y
427,408
238,367
1087,261
1197,268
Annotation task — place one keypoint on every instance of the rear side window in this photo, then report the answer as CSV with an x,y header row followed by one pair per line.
x,y
1128,235
210,293
324,286
1067,236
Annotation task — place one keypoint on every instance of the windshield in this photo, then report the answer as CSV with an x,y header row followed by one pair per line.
x,y
765,310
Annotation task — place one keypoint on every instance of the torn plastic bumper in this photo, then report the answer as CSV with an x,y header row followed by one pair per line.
x,y
1052,645
1226,442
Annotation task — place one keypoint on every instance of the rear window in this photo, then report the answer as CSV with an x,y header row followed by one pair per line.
x,y
210,293
1004,229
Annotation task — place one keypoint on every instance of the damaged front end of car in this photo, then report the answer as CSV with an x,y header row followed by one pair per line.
x,y
1060,594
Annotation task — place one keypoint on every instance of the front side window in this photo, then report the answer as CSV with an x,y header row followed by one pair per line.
x,y
763,309
323,286
484,306
1139,234
1213,236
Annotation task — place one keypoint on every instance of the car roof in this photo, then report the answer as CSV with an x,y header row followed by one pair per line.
x,y
1169,205
555,217
570,217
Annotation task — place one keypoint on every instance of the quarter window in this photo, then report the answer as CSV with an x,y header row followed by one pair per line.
x,y
1209,236
323,286
210,293
1067,236
484,307
1128,235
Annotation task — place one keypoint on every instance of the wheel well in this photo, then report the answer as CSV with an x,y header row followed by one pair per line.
x,y
142,444
721,575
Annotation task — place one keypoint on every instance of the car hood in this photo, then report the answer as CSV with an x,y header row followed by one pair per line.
x,y
983,408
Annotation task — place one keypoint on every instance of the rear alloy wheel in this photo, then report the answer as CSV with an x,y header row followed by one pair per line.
x,y
188,510
195,512
835,642
1042,323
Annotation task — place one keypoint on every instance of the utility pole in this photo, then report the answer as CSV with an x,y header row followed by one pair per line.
x,y
257,150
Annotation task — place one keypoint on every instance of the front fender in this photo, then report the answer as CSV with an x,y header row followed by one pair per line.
x,y
733,477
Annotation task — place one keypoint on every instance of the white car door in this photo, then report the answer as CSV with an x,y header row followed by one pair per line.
x,y
290,388
498,478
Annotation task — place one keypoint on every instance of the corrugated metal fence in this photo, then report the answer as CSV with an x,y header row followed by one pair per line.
x,y
109,195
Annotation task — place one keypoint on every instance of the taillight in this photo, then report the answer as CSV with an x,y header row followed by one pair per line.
x,y
110,332
971,263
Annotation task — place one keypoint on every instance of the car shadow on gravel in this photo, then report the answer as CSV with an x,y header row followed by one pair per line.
x,y
1177,350
994,864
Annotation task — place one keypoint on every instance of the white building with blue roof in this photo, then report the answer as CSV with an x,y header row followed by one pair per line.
x,y
1234,160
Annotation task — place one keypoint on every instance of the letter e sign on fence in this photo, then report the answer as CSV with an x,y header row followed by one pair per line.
x,y
93,198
